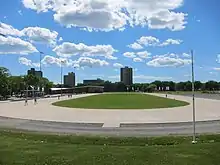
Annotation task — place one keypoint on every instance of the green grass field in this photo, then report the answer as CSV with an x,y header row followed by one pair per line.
x,y
121,101
35,149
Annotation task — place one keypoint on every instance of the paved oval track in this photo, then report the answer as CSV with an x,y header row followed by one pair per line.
x,y
47,118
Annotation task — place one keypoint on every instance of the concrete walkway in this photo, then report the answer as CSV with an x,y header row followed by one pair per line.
x,y
206,109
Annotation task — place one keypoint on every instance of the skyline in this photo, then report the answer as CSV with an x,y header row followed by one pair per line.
x,y
99,37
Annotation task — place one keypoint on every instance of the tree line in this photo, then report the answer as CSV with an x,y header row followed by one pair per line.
x,y
159,86
17,84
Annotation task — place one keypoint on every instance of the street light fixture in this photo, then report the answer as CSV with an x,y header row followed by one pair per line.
x,y
193,97
40,58
61,76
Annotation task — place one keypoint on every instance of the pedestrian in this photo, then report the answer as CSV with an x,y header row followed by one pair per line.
x,y
35,100
58,97
166,95
26,102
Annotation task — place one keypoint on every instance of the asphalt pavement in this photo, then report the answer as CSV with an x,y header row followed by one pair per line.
x,y
125,129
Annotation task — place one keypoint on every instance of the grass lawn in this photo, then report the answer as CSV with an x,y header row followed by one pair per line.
x,y
121,101
35,149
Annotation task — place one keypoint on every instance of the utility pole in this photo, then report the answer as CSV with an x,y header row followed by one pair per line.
x,y
61,77
41,58
193,97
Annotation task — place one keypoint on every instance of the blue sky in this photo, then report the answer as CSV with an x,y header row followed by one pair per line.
x,y
94,38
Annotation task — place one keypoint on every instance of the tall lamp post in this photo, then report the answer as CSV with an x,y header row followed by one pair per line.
x,y
61,76
193,97
40,58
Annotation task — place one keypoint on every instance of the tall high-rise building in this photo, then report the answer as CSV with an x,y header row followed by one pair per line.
x,y
35,73
69,80
127,75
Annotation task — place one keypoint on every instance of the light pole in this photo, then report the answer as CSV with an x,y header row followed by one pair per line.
x,y
41,58
193,97
61,76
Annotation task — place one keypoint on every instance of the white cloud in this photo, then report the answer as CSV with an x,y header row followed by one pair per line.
x,y
51,60
113,14
82,62
60,39
12,45
148,41
167,61
135,46
144,54
118,65
68,49
6,29
144,77
218,58
217,69
20,12
186,55
136,59
129,54
153,41
168,19
27,62
41,35
90,62
171,42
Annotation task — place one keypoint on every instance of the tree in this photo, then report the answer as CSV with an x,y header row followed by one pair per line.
x,y
198,85
16,84
211,85
120,87
31,80
151,88
4,81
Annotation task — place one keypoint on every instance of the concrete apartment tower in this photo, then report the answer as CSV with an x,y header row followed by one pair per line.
x,y
127,75
69,80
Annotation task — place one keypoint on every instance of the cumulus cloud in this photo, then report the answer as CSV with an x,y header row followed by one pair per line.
x,y
153,41
51,60
68,49
28,62
148,41
186,55
41,35
60,39
113,14
12,45
135,46
79,63
90,62
144,54
218,58
129,54
118,65
217,69
171,41
137,56
167,61
136,59
6,29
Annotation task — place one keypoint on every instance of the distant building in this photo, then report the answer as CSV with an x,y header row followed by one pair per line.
x,y
35,73
93,82
69,80
127,75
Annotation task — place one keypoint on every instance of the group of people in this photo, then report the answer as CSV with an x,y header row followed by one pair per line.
x,y
26,101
